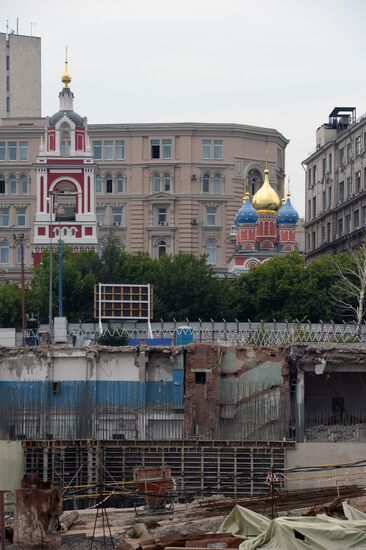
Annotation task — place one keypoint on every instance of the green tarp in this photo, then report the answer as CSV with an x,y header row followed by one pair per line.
x,y
297,533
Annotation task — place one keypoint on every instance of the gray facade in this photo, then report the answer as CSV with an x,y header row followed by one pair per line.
x,y
20,76
336,185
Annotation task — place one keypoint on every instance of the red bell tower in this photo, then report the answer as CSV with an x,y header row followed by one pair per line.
x,y
65,181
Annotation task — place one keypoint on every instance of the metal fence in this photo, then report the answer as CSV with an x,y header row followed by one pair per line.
x,y
331,427
222,332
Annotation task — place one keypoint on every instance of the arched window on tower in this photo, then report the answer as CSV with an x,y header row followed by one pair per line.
x,y
65,140
162,248
24,184
211,251
254,180
167,182
121,183
108,184
13,184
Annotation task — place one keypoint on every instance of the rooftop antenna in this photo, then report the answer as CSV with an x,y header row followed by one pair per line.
x,y
31,27
17,25
7,26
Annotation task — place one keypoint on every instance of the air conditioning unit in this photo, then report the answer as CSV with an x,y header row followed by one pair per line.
x,y
194,221
193,177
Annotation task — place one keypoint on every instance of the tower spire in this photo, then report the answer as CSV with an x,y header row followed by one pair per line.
x,y
66,78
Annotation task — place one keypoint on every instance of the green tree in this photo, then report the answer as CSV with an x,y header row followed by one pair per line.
x,y
10,306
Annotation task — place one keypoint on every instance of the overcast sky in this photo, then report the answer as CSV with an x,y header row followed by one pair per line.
x,y
282,64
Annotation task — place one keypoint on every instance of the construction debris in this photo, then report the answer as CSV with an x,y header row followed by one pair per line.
x,y
37,509
67,520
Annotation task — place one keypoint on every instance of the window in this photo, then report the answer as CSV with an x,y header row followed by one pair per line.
x,y
341,190
206,183
167,182
348,223
98,184
329,197
4,217
218,146
314,207
24,184
217,183
117,215
349,187
162,248
97,147
349,152
211,248
323,233
8,83
212,149
109,183
330,163
23,150
328,231
8,104
364,215
162,216
120,183
12,150
206,148
4,252
21,217
167,148
279,159
324,169
65,139
324,200
341,157
358,182
200,377
313,240
156,183
18,254
120,150
309,208
13,184
2,150
358,145
211,215
2,185
100,212
155,148
356,219
340,227
309,177
314,174
108,150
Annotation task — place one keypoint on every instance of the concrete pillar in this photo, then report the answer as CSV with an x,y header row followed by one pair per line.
x,y
300,406
141,415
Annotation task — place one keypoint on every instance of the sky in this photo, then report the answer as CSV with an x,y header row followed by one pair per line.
x,y
279,64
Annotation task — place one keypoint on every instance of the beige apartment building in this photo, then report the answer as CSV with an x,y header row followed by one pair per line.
x,y
161,188
336,185
20,75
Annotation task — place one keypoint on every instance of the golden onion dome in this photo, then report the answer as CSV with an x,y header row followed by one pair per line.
x,y
266,200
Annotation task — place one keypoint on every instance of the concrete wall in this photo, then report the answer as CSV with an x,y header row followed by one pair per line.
x,y
12,467
320,454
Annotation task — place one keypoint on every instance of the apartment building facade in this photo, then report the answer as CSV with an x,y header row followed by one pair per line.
x,y
336,185
20,75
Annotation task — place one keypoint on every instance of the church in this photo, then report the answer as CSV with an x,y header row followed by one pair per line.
x,y
264,228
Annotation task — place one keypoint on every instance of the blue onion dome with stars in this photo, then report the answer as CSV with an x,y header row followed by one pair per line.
x,y
287,214
247,214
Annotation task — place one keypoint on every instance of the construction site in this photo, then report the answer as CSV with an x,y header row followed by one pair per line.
x,y
203,445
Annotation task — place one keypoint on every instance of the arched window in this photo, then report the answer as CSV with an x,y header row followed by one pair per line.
x,y
254,180
206,183
167,183
24,184
156,183
18,254
108,184
162,248
217,183
121,183
211,249
2,185
4,252
98,184
65,140
13,184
